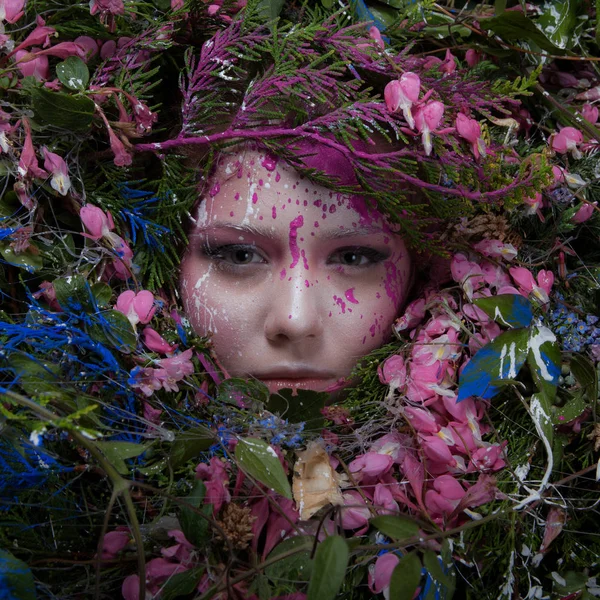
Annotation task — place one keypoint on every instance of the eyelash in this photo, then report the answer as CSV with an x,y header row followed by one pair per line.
x,y
222,256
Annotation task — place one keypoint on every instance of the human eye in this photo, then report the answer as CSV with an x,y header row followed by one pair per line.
x,y
234,256
357,257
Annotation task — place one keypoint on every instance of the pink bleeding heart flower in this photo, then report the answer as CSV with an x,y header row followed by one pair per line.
x,y
488,458
472,57
585,211
421,419
383,500
56,166
427,120
11,10
393,371
375,34
89,46
527,284
555,521
535,204
470,130
138,308
63,50
179,366
591,94
567,140
96,221
216,481
445,497
156,343
356,513
113,542
590,113
39,36
152,414
448,65
496,249
111,7
413,315
380,574
182,550
28,164
401,94
371,464
177,4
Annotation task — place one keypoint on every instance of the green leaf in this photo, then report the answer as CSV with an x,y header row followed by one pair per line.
x,y
73,113
541,412
16,578
396,527
558,21
305,407
257,459
514,26
73,73
181,584
331,560
543,359
499,7
270,9
29,259
234,390
434,568
190,444
510,310
327,3
571,409
73,293
298,567
193,525
35,376
113,328
405,577
584,371
102,293
116,453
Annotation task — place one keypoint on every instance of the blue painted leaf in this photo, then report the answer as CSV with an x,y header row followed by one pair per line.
x,y
16,579
511,310
501,359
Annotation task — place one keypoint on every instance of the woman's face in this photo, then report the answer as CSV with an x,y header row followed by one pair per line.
x,y
294,281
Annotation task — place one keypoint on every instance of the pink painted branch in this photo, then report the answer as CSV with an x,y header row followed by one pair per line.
x,y
300,133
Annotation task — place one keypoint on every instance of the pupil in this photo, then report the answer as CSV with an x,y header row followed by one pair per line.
x,y
350,258
242,256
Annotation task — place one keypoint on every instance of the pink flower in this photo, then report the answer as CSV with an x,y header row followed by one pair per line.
x,y
371,464
421,419
380,574
467,273
566,140
591,94
48,292
59,171
488,458
11,10
585,211
39,36
355,513
401,94
555,521
448,66
152,414
472,57
445,496
527,284
375,34
177,4
156,343
427,119
122,157
179,366
121,266
138,308
147,380
438,451
590,113
89,46
470,130
393,444
112,7
130,587
393,371
413,315
63,50
384,500
496,249
96,221
113,542
28,164
181,552
144,118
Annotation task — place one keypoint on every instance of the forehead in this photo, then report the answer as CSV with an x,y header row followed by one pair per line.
x,y
252,188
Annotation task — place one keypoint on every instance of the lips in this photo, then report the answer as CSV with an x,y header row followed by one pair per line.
x,y
298,378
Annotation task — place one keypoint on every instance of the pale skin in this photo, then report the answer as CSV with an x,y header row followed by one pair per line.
x,y
293,281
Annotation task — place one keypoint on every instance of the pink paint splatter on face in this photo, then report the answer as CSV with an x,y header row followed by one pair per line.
x,y
215,189
349,293
254,198
274,212
261,182
332,209
317,203
305,261
231,214
316,223
340,303
237,196
269,162
306,283
293,239
282,274
277,177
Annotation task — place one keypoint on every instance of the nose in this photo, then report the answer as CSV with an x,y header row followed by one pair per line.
x,y
295,311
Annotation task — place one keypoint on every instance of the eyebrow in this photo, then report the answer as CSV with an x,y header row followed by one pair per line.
x,y
267,233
